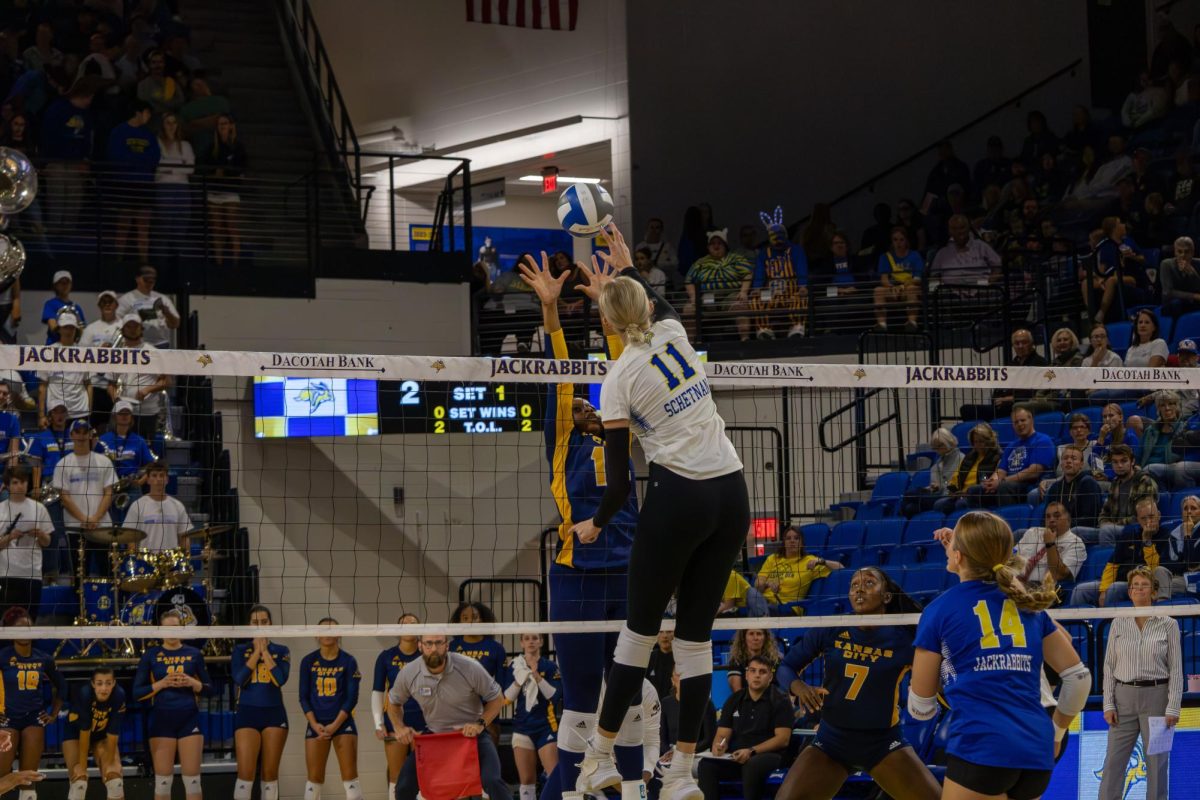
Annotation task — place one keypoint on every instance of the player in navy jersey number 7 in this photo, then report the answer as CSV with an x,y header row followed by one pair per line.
x,y
982,643
859,701
387,665
329,679
259,668
691,526
27,673
172,676
587,579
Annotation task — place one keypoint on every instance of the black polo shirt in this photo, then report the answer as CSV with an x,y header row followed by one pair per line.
x,y
754,721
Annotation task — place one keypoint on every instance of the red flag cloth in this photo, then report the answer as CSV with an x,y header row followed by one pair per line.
x,y
447,766
557,15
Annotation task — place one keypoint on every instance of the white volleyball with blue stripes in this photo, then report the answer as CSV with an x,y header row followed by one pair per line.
x,y
584,209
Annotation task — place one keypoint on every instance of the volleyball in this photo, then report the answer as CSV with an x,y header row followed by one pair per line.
x,y
584,209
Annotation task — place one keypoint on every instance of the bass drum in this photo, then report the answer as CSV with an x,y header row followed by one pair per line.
x,y
147,608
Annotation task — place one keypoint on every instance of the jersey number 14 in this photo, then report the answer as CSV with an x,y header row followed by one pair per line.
x,y
1010,625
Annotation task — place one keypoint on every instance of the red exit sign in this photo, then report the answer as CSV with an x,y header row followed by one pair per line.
x,y
549,180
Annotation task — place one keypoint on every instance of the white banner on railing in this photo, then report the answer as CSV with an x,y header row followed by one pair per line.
x,y
548,370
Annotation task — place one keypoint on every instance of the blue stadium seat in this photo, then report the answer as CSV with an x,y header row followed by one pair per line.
x,y
1050,423
954,516
836,585
889,488
921,527
884,533
906,555
1093,414
814,535
1093,567
920,480
1017,516
1004,430
754,563
826,607
1171,505
1186,327
1118,336
845,540
720,688
920,580
870,512
961,431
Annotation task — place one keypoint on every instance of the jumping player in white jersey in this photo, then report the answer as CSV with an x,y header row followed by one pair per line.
x,y
692,523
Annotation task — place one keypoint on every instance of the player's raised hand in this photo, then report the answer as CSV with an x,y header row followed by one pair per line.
x,y
597,276
541,279
618,255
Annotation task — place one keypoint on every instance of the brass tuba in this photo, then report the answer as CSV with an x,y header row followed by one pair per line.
x,y
18,181
12,259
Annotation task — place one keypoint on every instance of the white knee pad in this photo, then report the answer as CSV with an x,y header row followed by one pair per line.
x,y
191,784
692,659
270,790
353,790
574,730
633,649
162,785
630,734
78,790
114,789
241,790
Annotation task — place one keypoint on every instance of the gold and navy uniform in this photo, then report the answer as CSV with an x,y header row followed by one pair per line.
x,y
780,275
23,688
260,692
99,717
488,652
175,711
539,723
387,666
328,688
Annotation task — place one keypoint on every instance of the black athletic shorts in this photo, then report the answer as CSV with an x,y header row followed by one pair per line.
x,y
1018,784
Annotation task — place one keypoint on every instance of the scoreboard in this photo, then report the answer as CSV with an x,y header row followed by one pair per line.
x,y
476,408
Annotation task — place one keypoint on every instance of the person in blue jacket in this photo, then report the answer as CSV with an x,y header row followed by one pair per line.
x,y
172,676
259,668
329,680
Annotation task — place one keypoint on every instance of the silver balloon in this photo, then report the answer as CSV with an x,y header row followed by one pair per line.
x,y
18,181
12,258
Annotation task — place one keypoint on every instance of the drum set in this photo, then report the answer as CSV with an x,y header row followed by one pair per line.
x,y
142,584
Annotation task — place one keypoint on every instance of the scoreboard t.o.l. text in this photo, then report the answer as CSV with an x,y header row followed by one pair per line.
x,y
438,407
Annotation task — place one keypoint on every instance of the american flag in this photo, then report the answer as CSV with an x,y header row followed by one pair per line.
x,y
557,15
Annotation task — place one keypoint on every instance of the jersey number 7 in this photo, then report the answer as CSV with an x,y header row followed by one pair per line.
x,y
1010,625
673,380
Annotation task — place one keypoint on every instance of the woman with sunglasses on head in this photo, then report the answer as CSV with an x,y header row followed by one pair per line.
x,y
260,668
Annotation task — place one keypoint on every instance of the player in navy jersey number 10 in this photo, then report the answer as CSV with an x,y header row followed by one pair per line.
x,y
94,725
858,701
387,665
27,673
260,668
172,676
329,679
691,526
982,644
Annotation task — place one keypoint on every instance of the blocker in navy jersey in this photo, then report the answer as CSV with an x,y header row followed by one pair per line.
x,y
329,687
24,688
387,666
260,692
174,711
100,717
488,652
991,673
539,723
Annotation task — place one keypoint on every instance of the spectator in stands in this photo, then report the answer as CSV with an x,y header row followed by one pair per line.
x,y
163,518
1147,103
1039,138
644,261
750,643
740,598
838,270
1145,544
1146,345
1097,184
42,54
224,165
788,573
99,63
102,332
172,188
993,169
1143,679
1185,545
747,243
70,388
1052,549
67,130
128,65
979,462
201,114
662,255
941,474
780,282
662,662
1180,277
877,238
124,446
27,531
1023,355
1159,435
60,303
719,284
1100,355
1021,466
1077,490
10,427
1129,487
949,170
1182,187
909,218
157,312
755,729
133,154
158,89
1049,180
900,271
1114,430
455,694
1064,347
145,390
86,480
966,259
669,732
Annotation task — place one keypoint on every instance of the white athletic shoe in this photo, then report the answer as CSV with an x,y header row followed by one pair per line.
x,y
797,330
680,789
597,772
765,333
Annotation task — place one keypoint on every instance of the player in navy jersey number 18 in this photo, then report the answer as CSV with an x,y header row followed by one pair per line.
x,y
982,644
94,725
691,526
329,679
858,701
29,677
387,665
172,676
260,668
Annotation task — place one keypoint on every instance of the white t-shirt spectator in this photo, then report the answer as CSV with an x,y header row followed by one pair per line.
x,y
661,254
100,334
23,558
133,381
154,326
84,478
68,389
177,163
657,280
1071,550
1109,359
971,264
163,521
1140,354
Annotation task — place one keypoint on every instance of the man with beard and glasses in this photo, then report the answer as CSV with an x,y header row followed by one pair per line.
x,y
455,693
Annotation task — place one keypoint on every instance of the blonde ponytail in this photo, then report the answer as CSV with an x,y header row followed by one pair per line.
x,y
986,544
626,307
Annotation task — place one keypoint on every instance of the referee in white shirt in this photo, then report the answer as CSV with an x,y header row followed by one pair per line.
x,y
1143,678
